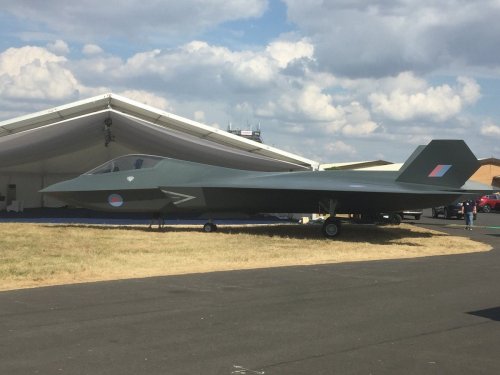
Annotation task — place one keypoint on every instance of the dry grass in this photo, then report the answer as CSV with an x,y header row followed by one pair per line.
x,y
36,255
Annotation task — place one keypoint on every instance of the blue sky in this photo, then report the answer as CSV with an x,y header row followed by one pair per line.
x,y
331,80
252,32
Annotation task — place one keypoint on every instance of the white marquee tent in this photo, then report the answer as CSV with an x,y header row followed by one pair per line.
x,y
49,146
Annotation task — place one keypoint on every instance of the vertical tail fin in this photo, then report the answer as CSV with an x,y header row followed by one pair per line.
x,y
442,162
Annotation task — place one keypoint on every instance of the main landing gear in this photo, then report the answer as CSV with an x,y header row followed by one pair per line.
x,y
331,227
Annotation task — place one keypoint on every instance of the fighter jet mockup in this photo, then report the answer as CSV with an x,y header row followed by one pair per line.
x,y
433,175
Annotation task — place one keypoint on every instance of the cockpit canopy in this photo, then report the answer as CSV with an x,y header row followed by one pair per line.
x,y
127,163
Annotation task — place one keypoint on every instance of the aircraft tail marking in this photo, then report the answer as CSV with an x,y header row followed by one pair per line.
x,y
442,163
440,170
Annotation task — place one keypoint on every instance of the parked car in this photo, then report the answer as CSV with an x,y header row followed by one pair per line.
x,y
452,210
488,202
415,213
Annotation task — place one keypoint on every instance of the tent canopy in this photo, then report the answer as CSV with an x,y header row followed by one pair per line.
x,y
71,139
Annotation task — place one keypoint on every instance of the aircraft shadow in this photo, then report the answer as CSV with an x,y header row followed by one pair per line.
x,y
491,313
350,233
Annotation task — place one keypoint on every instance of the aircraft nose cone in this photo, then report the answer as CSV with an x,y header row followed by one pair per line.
x,y
54,188
48,189
65,191
60,187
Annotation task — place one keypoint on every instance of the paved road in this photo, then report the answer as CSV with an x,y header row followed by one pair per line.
x,y
486,226
438,315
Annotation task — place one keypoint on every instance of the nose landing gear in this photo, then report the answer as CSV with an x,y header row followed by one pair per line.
x,y
209,228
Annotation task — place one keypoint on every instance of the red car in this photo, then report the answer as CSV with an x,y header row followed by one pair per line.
x,y
489,202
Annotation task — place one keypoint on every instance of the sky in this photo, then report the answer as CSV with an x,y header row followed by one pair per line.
x,y
331,80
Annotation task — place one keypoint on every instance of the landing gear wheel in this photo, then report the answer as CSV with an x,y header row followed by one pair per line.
x,y
209,228
331,227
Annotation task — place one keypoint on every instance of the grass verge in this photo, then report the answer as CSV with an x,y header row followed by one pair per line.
x,y
34,255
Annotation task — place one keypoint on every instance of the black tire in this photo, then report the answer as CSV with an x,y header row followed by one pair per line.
x,y
396,219
209,228
446,214
417,217
331,227
434,213
486,208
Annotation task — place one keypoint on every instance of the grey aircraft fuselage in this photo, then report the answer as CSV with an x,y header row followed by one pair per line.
x,y
433,176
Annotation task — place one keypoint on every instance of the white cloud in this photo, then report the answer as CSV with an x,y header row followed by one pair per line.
x,y
437,103
147,98
34,72
91,49
316,105
200,69
490,130
35,75
471,91
93,68
309,104
135,20
285,51
306,103
252,83
340,148
199,116
214,73
59,47
380,38
13,60
358,121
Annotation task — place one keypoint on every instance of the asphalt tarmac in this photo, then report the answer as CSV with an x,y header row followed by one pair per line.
x,y
436,315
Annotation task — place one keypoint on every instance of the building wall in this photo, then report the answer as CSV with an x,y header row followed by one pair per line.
x,y
27,187
486,173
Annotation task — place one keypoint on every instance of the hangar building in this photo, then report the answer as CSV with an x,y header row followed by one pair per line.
x,y
489,172
42,148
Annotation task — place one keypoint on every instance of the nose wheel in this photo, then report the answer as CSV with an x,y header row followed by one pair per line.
x,y
331,227
209,228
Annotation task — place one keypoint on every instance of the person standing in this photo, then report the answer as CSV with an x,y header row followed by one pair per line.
x,y
469,210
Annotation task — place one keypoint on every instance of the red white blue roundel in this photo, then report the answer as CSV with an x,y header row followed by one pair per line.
x,y
115,200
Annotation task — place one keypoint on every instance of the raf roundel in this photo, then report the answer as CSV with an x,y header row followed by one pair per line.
x,y
115,200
